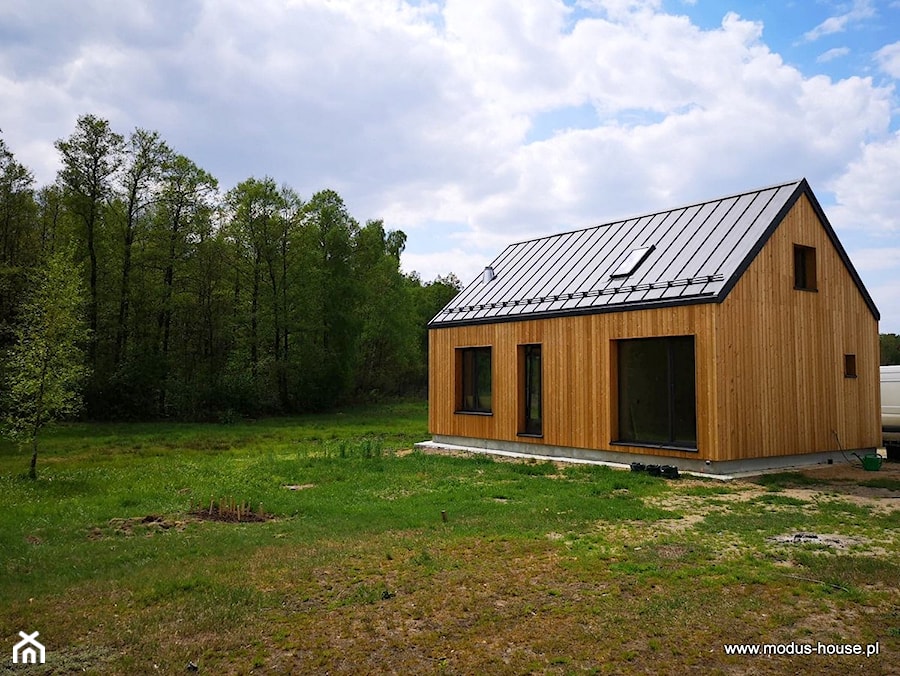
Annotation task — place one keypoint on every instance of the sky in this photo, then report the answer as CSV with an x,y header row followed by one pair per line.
x,y
472,124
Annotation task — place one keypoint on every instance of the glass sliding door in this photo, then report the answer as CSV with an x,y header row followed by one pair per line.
x,y
657,391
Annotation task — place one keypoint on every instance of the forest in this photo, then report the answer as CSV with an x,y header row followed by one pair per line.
x,y
159,295
890,349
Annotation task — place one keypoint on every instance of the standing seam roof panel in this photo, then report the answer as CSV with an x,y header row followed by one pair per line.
x,y
691,219
750,240
529,276
662,257
587,255
579,284
753,218
553,303
562,285
682,259
663,238
712,247
520,255
557,264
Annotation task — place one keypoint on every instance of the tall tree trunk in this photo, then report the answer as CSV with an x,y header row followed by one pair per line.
x,y
254,320
32,472
283,373
92,309
38,414
122,330
164,324
164,318
279,319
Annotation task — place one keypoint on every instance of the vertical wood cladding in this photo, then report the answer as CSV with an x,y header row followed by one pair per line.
x,y
769,363
782,384
577,359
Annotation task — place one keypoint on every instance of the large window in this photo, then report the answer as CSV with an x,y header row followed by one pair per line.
x,y
475,371
531,388
657,399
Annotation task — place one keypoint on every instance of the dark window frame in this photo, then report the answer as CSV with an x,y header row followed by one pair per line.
x,y
805,268
850,365
677,393
531,358
475,369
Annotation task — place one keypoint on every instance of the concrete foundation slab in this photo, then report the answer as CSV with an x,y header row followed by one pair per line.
x,y
717,470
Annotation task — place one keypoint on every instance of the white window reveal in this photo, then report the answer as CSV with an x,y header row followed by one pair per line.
x,y
631,263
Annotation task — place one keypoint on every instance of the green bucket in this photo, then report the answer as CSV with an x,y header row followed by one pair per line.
x,y
872,462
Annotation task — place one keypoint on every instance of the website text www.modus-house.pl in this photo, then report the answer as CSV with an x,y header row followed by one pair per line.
x,y
869,649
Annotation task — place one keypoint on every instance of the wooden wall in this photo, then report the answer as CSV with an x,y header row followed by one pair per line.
x,y
769,362
781,368
578,375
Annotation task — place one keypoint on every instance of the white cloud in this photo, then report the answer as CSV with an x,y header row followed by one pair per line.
x,y
888,58
833,24
616,9
866,214
461,262
887,298
866,193
859,11
730,115
876,259
832,54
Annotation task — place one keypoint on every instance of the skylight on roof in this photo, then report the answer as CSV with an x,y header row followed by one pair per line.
x,y
630,264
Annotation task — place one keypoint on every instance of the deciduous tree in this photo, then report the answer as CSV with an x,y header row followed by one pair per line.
x,y
46,365
90,158
890,349
18,238
145,156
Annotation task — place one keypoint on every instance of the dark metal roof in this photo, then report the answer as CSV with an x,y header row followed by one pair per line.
x,y
698,253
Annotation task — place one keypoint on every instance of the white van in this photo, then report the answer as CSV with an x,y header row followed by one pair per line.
x,y
890,410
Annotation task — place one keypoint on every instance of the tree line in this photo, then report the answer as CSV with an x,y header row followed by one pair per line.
x,y
200,303
890,349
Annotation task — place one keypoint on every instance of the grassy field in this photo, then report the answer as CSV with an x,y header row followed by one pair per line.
x,y
371,558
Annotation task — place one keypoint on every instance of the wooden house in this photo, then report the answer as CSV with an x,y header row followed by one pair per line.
x,y
728,336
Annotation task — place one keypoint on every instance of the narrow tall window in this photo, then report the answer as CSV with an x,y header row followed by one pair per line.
x,y
849,365
475,373
657,399
532,417
804,268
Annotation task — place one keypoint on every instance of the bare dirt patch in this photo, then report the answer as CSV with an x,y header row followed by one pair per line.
x,y
137,525
231,513
852,478
833,540
298,487
847,482
878,490
153,524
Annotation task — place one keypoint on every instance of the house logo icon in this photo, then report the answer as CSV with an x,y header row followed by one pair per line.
x,y
28,650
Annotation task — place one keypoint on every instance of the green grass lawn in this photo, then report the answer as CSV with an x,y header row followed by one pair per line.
x,y
376,559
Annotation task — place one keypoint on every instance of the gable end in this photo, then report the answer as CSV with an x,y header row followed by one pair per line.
x,y
801,189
